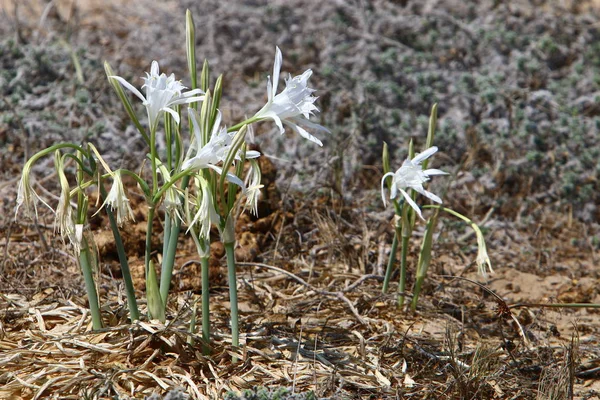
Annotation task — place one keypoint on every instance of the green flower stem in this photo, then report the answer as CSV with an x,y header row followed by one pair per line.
x,y
406,228
166,273
233,297
134,312
390,266
90,287
166,234
52,149
168,261
153,157
185,174
402,284
205,306
397,234
424,260
148,254
241,124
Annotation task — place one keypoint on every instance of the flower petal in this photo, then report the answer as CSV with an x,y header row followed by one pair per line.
x,y
129,87
383,186
427,194
425,155
276,69
304,133
412,204
173,113
434,171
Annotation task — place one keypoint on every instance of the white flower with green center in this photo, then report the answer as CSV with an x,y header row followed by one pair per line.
x,y
162,93
411,176
216,150
117,200
294,105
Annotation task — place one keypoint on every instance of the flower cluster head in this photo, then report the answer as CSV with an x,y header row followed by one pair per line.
x,y
294,105
162,93
411,176
117,200
217,148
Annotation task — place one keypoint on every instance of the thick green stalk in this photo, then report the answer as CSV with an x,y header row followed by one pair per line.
x,y
406,232
205,306
166,274
390,265
168,260
424,260
88,276
148,253
233,298
402,284
134,312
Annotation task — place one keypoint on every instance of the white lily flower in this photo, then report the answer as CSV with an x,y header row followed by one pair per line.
x,y
253,190
294,105
411,176
25,193
162,93
172,199
63,219
482,260
206,214
215,151
117,200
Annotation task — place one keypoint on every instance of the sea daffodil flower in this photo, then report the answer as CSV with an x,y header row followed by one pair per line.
x,y
206,215
162,93
215,151
411,176
254,187
117,199
293,106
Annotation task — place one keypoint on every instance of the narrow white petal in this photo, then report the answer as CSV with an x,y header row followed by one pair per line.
x,y
277,69
154,68
412,204
173,113
192,92
311,125
304,133
383,187
277,121
425,155
230,177
252,154
129,87
427,194
434,171
186,100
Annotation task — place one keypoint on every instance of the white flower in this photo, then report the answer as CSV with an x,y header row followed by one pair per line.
x,y
294,105
117,200
172,199
411,176
206,214
64,211
253,190
162,93
216,150
482,260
